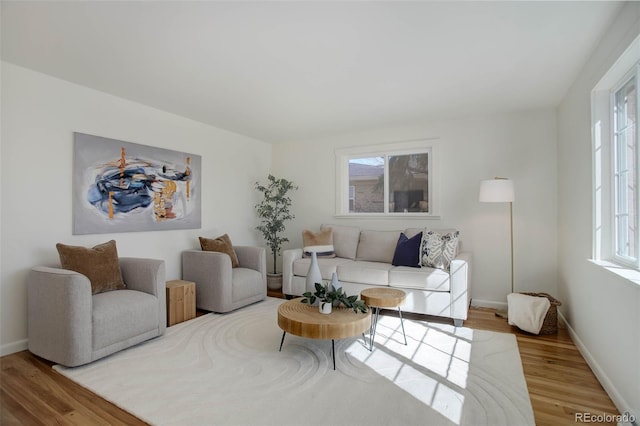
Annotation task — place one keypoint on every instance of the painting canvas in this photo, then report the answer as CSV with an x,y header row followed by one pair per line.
x,y
124,187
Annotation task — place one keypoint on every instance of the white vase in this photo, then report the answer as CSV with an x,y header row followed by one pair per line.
x,y
324,307
334,281
313,275
335,285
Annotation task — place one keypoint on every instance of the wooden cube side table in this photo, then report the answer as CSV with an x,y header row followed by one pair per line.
x,y
181,301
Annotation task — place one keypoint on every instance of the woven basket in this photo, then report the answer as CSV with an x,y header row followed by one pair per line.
x,y
550,324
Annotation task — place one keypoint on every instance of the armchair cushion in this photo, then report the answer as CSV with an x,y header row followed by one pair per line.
x,y
99,264
118,316
222,244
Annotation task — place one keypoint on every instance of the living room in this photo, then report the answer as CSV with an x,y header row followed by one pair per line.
x,y
545,147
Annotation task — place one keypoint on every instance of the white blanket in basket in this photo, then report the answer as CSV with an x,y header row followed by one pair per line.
x,y
527,312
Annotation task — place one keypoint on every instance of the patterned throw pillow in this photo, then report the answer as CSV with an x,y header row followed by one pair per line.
x,y
438,250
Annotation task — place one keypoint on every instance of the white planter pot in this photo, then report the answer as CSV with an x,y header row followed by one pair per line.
x,y
324,307
274,281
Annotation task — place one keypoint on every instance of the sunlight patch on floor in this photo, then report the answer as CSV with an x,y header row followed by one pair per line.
x,y
431,367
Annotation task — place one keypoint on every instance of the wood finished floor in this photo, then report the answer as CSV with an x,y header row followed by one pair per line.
x,y
559,380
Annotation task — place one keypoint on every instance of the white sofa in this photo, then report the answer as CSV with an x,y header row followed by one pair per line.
x,y
364,260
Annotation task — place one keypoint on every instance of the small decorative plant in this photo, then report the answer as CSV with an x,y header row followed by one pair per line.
x,y
273,211
325,293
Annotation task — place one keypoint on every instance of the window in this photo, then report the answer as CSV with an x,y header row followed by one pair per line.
x,y
616,162
625,167
387,180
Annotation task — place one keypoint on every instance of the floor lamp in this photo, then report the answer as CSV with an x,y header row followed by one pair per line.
x,y
500,190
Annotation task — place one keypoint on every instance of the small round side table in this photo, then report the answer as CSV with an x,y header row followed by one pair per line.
x,y
377,298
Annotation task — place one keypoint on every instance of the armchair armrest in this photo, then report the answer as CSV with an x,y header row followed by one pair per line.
x,y
149,276
211,271
252,257
460,287
59,306
288,257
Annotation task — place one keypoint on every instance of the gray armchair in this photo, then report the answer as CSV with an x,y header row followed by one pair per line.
x,y
70,326
221,288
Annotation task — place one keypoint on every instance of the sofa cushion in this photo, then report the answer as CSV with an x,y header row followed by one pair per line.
x,y
419,278
345,240
377,246
362,272
438,250
408,251
327,266
100,264
319,242
222,244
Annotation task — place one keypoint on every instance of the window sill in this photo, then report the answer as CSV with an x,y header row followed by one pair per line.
x,y
393,216
630,274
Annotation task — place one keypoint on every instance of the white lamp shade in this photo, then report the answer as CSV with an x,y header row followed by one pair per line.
x,y
496,191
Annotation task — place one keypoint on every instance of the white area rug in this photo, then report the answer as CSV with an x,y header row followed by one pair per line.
x,y
226,370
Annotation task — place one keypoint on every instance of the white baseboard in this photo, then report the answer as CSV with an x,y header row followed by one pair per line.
x,y
14,347
618,400
489,304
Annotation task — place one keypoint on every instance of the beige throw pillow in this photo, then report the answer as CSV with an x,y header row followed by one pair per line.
x,y
222,244
99,264
319,242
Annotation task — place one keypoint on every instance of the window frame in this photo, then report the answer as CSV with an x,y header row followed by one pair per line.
x,y
632,75
604,156
430,146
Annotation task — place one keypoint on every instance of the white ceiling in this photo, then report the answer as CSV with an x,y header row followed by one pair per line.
x,y
281,71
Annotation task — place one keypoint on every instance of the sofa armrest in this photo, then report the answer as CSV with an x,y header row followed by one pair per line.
x,y
149,276
288,257
59,306
460,287
211,271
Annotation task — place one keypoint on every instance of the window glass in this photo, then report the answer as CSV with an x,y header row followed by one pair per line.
x,y
409,183
366,185
625,171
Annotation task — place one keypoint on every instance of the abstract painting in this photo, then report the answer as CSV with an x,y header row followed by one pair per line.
x,y
124,187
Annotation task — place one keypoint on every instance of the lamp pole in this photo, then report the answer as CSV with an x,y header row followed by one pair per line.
x,y
500,190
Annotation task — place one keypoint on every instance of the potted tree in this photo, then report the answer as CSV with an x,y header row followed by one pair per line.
x,y
273,211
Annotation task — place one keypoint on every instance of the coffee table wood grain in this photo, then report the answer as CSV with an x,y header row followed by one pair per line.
x,y
383,297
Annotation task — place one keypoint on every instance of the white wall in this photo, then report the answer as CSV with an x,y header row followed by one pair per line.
x,y
521,146
602,309
39,115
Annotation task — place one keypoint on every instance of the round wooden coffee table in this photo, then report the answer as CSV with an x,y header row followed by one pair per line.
x,y
303,320
377,298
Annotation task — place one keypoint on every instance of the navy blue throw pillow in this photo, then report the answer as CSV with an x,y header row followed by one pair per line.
x,y
408,251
